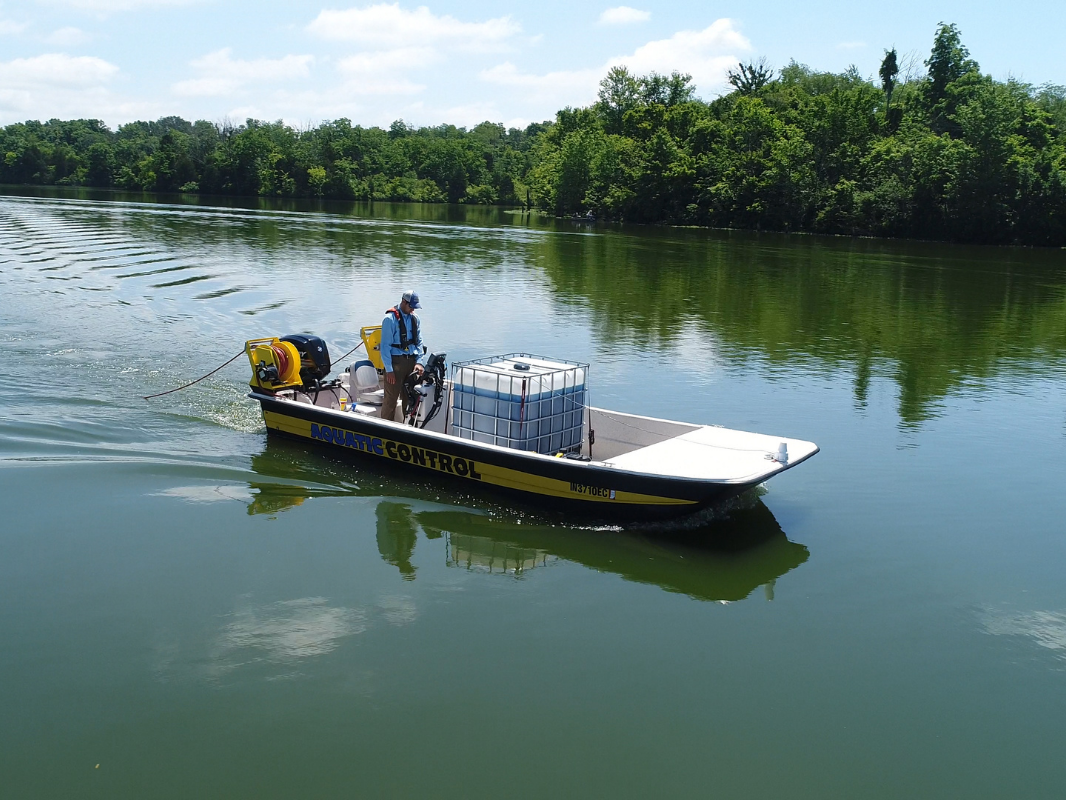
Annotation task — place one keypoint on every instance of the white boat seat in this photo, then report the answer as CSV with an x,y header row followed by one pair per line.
x,y
374,398
365,387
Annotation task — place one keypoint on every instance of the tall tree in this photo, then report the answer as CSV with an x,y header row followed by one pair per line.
x,y
750,77
889,71
619,92
948,62
666,90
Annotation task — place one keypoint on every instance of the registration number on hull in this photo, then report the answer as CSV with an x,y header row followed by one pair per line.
x,y
592,491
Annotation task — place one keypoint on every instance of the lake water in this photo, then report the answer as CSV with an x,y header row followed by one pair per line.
x,y
190,610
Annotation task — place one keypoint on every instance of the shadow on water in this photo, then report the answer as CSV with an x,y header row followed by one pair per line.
x,y
724,559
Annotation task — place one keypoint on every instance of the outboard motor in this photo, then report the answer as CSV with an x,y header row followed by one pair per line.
x,y
425,388
314,357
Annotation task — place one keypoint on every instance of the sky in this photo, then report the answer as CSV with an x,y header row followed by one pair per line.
x,y
453,61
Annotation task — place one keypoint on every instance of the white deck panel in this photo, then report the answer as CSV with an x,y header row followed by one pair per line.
x,y
717,454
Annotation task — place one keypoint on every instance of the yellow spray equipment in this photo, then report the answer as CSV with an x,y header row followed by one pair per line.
x,y
275,364
371,336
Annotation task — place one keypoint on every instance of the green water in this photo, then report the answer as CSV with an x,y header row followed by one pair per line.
x,y
204,613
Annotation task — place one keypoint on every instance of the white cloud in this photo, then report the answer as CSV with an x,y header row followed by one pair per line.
x,y
564,87
387,60
623,15
241,113
381,72
222,75
470,114
56,85
55,70
387,26
67,37
397,45
706,55
8,27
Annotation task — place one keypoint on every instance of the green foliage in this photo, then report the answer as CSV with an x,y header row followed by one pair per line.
x,y
954,155
335,160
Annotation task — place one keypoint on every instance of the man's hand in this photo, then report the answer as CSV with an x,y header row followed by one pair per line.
x,y
390,377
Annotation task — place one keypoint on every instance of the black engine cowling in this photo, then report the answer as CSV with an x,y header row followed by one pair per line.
x,y
314,356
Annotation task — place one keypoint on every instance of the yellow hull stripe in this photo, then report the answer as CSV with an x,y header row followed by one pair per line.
x,y
462,467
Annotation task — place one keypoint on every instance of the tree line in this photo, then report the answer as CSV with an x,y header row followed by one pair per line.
x,y
443,164
947,154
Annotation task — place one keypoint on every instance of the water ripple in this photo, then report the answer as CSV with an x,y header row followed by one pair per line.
x,y
220,293
184,281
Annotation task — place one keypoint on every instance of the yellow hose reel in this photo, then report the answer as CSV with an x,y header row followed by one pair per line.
x,y
275,364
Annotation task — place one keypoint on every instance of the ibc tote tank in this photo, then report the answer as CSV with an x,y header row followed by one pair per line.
x,y
520,401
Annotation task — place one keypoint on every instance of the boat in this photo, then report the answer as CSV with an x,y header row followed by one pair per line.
x,y
516,425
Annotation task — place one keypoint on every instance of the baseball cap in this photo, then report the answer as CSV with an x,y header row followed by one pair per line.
x,y
411,296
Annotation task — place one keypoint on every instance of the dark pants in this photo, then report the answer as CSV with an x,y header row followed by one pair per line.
x,y
402,366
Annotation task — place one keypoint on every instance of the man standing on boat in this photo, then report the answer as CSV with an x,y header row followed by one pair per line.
x,y
401,350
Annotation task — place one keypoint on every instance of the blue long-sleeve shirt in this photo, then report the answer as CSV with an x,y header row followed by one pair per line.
x,y
390,340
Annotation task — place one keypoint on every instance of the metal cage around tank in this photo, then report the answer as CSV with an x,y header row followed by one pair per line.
x,y
521,401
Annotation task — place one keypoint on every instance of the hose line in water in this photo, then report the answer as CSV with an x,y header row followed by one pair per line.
x,y
241,353
190,383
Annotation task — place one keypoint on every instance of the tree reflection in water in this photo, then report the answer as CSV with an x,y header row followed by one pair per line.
x,y
396,534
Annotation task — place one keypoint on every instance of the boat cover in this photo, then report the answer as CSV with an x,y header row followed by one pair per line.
x,y
716,454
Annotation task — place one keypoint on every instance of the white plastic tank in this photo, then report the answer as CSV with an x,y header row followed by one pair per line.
x,y
520,401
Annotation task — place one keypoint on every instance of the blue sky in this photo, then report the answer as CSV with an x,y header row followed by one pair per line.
x,y
454,61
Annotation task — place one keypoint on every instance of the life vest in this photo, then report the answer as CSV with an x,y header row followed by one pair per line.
x,y
404,339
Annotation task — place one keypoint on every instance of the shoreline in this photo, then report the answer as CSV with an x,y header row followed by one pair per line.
x,y
303,205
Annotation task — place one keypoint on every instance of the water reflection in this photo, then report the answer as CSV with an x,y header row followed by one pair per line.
x,y
285,632
1046,629
287,481
727,560
426,212
396,536
273,498
929,317
724,559
482,554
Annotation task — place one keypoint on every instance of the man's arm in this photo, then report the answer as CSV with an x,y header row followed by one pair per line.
x,y
422,355
388,333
